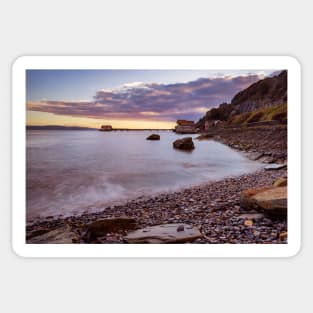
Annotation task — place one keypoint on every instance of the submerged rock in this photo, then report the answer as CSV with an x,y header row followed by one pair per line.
x,y
185,143
166,233
153,137
102,227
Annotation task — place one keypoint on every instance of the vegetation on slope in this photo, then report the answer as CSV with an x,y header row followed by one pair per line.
x,y
275,112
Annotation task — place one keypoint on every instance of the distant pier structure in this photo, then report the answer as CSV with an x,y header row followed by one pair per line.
x,y
106,128
185,127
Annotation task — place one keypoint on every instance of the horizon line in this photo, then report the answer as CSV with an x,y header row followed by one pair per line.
x,y
86,127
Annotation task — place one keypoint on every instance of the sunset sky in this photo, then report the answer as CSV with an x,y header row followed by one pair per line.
x,y
129,98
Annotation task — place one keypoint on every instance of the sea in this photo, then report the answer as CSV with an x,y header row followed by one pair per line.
x,y
71,172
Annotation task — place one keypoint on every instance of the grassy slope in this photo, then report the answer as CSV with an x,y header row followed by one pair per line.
x,y
276,112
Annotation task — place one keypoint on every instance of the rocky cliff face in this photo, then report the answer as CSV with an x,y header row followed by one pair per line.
x,y
265,93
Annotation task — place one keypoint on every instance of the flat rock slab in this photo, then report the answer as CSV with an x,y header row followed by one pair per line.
x,y
166,233
61,235
273,201
251,216
272,167
255,155
267,159
281,182
246,198
102,227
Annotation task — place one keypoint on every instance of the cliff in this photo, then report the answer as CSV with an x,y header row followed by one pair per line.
x,y
264,93
265,100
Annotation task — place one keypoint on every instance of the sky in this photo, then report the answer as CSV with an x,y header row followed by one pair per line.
x,y
129,98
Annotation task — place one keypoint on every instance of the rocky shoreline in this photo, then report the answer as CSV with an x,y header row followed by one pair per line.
x,y
267,144
214,209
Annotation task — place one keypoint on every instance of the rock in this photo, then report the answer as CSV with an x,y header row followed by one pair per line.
x,y
248,223
205,137
272,201
246,197
266,159
166,233
283,236
185,143
37,232
102,227
61,235
180,228
256,233
255,155
251,216
275,166
153,137
280,182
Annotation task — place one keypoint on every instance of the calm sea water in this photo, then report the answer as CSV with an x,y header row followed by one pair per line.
x,y
71,172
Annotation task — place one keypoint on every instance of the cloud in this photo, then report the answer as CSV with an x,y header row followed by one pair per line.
x,y
138,100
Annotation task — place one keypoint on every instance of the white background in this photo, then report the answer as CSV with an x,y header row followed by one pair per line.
x,y
163,28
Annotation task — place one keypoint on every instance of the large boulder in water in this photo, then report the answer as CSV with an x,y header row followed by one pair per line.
x,y
153,137
102,227
185,143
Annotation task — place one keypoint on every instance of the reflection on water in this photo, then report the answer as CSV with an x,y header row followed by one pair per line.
x,y
70,172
